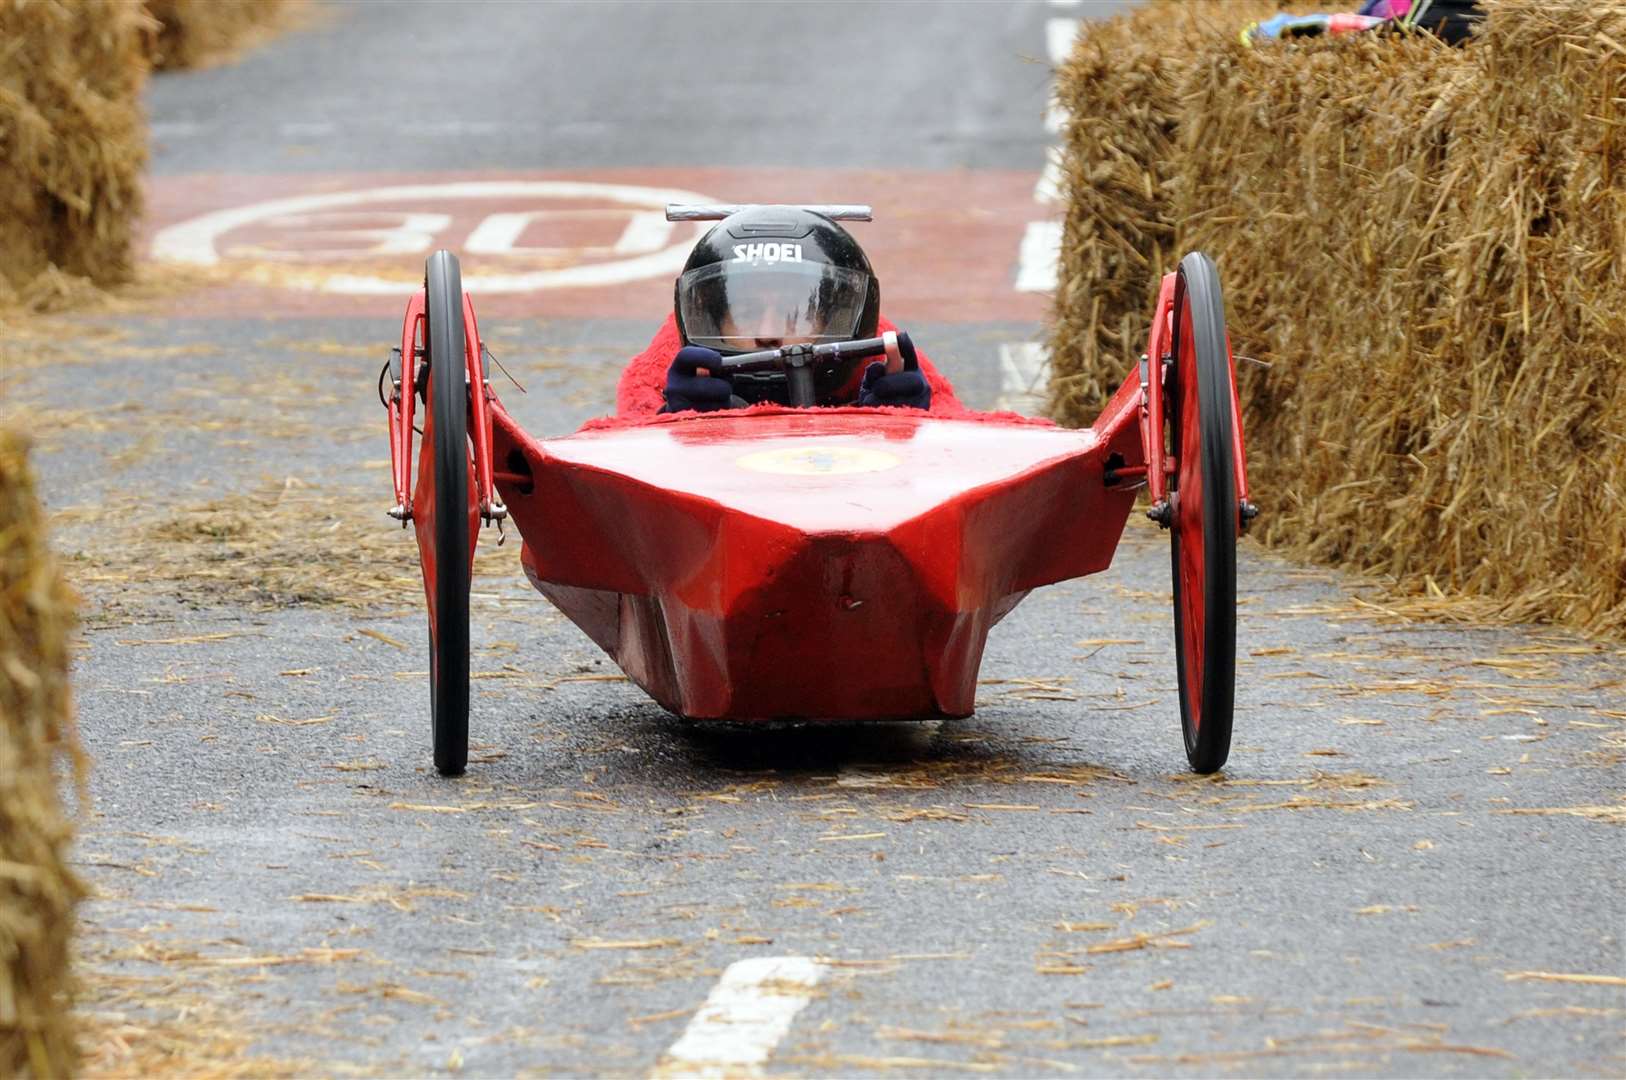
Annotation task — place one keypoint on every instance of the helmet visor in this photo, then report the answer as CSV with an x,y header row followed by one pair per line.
x,y
739,307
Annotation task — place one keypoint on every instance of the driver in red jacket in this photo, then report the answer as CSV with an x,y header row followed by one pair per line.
x,y
769,276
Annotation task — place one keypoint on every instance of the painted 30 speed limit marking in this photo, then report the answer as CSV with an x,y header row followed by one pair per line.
x,y
573,244
538,234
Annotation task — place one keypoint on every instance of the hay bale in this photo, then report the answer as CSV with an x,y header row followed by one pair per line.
x,y
201,33
37,890
1121,87
74,139
73,133
1330,254
1423,244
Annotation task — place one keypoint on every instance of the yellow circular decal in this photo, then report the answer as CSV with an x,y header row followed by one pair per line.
x,y
817,461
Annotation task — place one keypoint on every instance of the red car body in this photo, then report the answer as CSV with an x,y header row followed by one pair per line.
x,y
812,564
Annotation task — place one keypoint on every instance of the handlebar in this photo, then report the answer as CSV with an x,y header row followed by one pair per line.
x,y
797,361
835,212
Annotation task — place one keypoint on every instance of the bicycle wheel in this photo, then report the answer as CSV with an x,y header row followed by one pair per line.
x,y
448,580
1204,523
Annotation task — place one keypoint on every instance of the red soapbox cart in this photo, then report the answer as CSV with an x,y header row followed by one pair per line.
x,y
820,563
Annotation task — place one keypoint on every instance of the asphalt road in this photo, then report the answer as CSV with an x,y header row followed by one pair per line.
x,y
1420,824
488,84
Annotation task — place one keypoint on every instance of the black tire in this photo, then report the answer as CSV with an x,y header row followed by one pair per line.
x,y
1204,529
448,407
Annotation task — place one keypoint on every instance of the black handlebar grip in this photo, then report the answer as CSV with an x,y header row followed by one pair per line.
x,y
906,348
863,347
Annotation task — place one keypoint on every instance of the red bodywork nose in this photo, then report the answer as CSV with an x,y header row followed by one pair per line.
x,y
836,563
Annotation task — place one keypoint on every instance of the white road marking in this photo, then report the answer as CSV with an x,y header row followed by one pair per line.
x,y
1048,190
194,241
646,231
362,233
1024,375
1059,35
1037,258
744,1017
497,233
1025,366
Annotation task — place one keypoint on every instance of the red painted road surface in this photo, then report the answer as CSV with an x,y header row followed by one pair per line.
x,y
570,244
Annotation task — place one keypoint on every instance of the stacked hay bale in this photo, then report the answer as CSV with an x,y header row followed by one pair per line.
x,y
1423,244
1122,89
197,33
73,134
37,890
74,139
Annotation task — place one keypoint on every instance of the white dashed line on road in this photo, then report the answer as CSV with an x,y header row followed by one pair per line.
x,y
1024,377
744,1017
1048,190
1025,366
1037,257
1059,35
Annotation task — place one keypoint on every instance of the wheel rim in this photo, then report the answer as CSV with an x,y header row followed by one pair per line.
x,y
1191,575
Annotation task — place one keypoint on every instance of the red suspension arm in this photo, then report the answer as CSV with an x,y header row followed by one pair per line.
x,y
1239,450
402,404
480,395
1151,417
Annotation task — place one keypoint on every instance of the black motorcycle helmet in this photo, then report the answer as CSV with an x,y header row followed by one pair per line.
x,y
767,276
